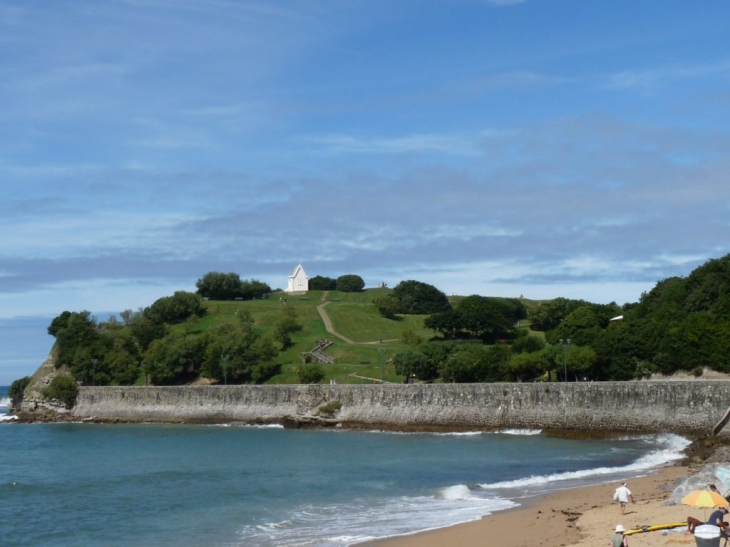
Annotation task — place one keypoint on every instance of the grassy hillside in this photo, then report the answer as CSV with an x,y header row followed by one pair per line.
x,y
374,338
368,339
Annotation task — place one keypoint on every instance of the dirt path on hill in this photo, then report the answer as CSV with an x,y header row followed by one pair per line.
x,y
328,322
331,329
373,380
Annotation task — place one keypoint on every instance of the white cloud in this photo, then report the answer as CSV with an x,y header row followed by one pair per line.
x,y
424,143
650,79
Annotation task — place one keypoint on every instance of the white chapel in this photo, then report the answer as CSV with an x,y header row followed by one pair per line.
x,y
298,280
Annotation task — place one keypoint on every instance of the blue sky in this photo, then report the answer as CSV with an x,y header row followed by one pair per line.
x,y
539,147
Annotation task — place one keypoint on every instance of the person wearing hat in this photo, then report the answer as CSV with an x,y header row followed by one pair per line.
x,y
618,539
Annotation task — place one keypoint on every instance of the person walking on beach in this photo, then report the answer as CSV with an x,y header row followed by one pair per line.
x,y
622,495
618,539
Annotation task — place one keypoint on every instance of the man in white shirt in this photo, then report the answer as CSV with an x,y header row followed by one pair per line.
x,y
622,495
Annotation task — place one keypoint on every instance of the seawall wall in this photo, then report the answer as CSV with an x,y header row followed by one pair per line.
x,y
683,407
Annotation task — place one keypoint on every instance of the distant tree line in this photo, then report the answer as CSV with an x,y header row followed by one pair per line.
x,y
682,324
230,286
344,283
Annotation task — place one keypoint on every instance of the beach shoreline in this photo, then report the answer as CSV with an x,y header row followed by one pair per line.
x,y
576,517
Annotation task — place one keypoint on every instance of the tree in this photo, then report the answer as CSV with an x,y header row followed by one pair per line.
x,y
239,347
252,289
415,297
461,367
580,360
527,344
387,305
63,389
415,363
350,283
448,323
582,326
410,338
285,326
320,283
548,315
80,344
310,374
175,359
527,366
219,286
488,319
146,331
16,391
177,308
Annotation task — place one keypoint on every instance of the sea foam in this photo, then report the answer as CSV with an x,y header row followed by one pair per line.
x,y
673,446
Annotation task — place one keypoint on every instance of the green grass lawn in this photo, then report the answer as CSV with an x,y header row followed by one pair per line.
x,y
353,315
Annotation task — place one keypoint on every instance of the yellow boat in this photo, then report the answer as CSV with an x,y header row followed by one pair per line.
x,y
654,528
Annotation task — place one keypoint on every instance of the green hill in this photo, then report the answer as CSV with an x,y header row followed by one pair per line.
x,y
368,340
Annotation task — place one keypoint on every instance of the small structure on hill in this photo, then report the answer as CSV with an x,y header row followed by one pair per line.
x,y
298,281
317,355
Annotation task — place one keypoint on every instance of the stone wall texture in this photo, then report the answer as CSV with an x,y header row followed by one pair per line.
x,y
648,406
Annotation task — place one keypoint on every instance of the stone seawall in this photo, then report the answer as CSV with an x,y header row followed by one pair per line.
x,y
682,407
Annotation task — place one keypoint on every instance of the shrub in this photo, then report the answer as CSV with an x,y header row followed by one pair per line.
x,y
17,390
322,283
410,338
350,283
330,409
310,374
63,389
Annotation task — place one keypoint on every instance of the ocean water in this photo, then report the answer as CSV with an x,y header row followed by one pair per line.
x,y
176,485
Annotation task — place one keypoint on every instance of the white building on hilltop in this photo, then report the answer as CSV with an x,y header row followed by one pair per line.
x,y
298,280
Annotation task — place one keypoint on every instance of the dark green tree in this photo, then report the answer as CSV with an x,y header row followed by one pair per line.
x,y
527,366
528,343
285,326
63,389
177,308
489,319
415,363
253,289
387,305
17,390
350,283
312,373
321,283
415,297
220,286
449,323
548,315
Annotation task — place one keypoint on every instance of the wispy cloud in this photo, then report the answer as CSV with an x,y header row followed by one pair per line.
x,y
517,80
505,2
651,79
425,143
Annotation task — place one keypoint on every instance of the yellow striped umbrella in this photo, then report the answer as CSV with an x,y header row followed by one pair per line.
x,y
704,498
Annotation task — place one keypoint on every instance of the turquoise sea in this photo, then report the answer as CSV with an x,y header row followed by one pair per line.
x,y
85,485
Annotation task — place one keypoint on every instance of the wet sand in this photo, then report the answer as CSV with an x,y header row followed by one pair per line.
x,y
579,517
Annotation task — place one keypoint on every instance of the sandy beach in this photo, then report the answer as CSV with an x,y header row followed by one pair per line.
x,y
579,517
